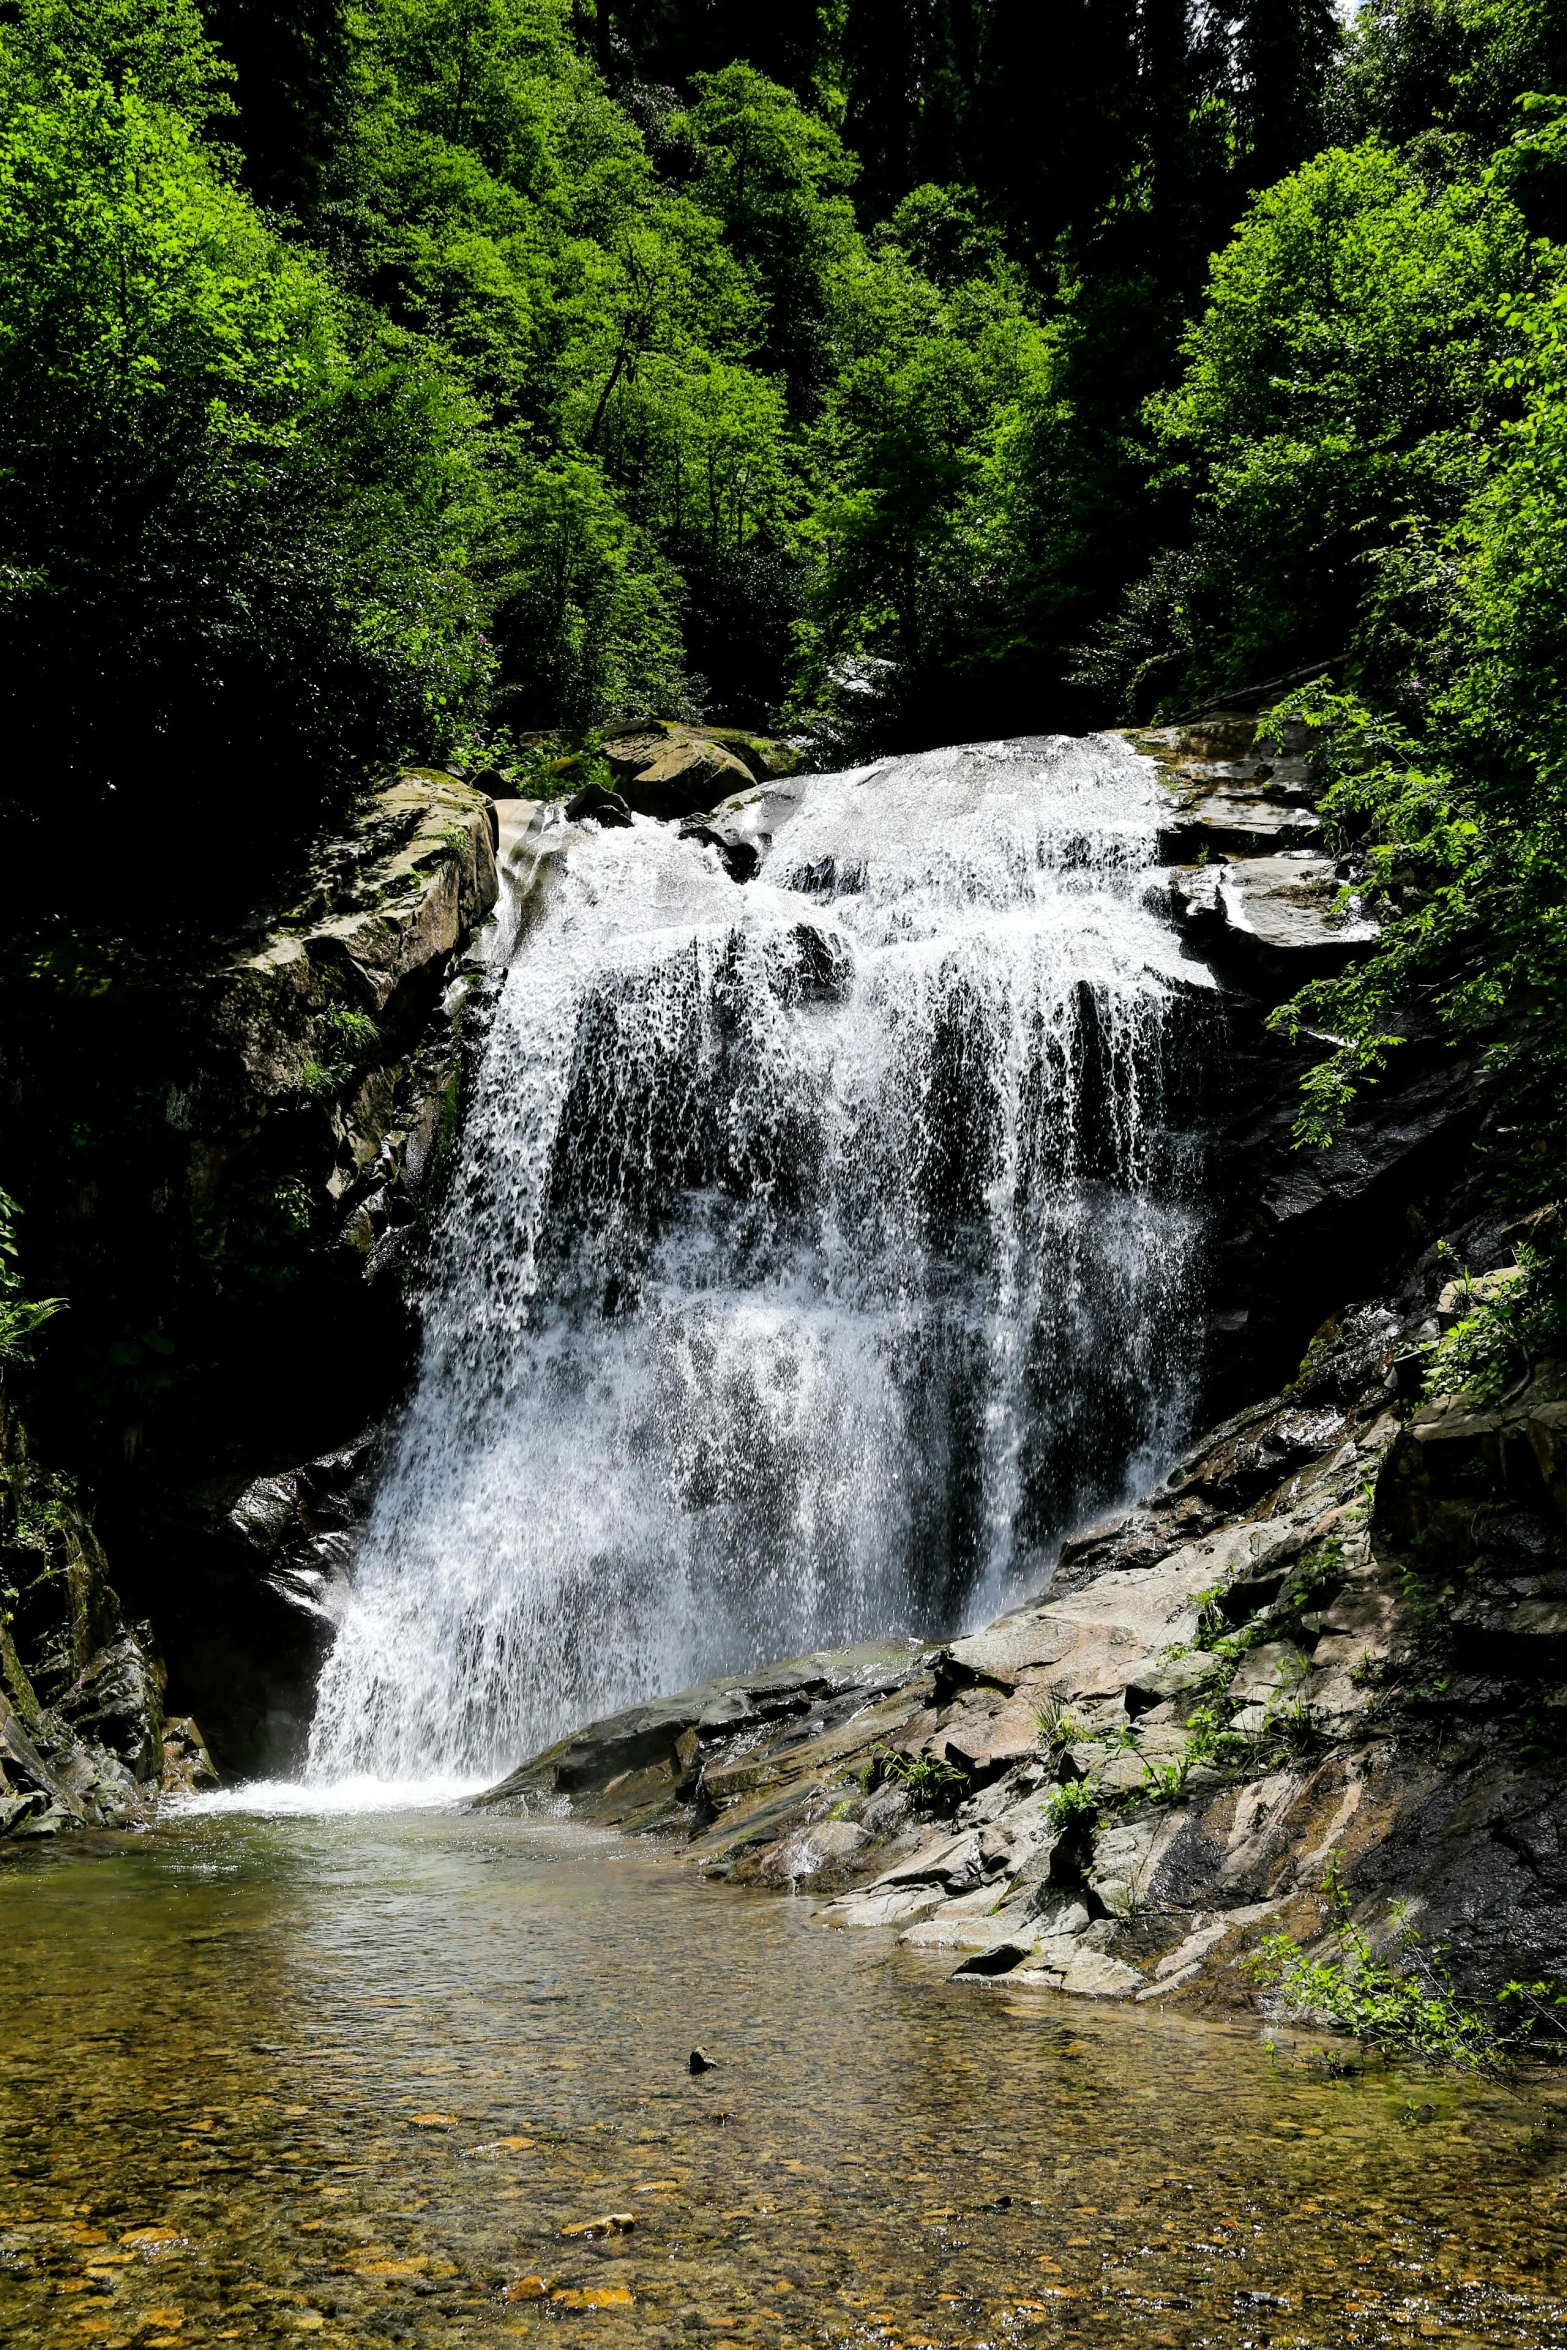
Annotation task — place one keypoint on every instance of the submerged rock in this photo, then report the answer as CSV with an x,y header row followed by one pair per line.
x,y
599,806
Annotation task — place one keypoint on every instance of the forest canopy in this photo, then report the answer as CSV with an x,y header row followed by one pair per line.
x,y
407,378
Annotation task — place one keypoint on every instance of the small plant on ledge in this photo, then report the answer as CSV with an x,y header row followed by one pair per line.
x,y
930,1785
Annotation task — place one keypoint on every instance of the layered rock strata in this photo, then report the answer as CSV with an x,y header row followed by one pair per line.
x,y
1338,1633
331,1074
341,1004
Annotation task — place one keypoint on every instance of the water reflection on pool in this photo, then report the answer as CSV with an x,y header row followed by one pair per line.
x,y
356,2077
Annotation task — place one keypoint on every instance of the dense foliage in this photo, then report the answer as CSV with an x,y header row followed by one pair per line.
x,y
388,377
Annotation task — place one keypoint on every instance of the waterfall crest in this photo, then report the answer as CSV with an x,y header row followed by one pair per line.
x,y
819,1251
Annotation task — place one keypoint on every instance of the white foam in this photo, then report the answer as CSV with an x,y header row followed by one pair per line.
x,y
300,1799
818,1253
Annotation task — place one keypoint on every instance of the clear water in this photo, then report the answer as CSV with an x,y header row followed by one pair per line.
x,y
349,2080
819,1253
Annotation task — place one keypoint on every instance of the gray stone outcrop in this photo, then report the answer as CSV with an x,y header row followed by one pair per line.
x,y
343,1008
1339,1632
1252,879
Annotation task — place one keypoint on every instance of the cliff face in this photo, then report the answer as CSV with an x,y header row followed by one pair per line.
x,y
1267,897
326,1092
226,1162
276,1143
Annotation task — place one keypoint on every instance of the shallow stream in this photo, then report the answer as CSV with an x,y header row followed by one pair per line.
x,y
354,2079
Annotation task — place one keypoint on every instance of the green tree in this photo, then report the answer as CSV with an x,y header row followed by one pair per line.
x,y
586,617
881,73
1460,66
1285,51
1043,187
162,49
233,521
672,41
911,488
775,177
1459,790
1341,380
21,1318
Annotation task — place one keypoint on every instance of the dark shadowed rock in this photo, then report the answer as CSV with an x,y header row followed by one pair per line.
x,y
117,1702
1452,1463
596,805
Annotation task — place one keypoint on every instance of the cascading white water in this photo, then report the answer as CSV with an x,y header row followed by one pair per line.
x,y
819,1252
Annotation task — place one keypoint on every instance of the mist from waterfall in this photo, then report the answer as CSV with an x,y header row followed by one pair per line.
x,y
819,1252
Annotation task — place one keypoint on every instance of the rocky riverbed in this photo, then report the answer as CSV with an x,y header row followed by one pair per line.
x,y
425,2078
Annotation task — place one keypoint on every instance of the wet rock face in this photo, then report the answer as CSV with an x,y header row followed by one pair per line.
x,y
329,1077
743,1746
1264,904
273,1121
1287,1654
81,1691
1252,882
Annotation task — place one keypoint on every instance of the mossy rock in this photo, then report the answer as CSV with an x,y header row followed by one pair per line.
x,y
763,759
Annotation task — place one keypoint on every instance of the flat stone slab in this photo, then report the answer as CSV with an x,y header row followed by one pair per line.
x,y
1290,906
644,1736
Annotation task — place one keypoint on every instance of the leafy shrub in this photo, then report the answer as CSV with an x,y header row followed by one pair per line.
x,y
1058,1726
1075,1802
1167,1781
21,1318
1409,2010
1498,1340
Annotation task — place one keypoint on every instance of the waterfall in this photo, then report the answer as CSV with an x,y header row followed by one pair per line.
x,y
819,1251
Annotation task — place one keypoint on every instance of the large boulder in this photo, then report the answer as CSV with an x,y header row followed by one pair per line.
x,y
714,1742
404,891
673,771
1285,914
683,779
1546,1428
